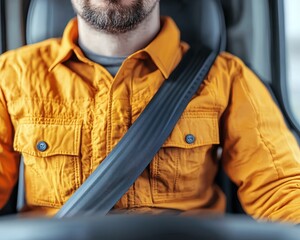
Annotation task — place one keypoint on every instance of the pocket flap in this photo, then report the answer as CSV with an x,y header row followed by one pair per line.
x,y
202,126
62,138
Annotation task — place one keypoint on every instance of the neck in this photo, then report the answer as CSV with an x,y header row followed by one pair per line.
x,y
119,44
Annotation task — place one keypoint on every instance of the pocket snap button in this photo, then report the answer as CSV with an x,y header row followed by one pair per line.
x,y
190,138
42,146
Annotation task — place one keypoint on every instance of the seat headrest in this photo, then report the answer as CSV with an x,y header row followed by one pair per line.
x,y
47,19
200,21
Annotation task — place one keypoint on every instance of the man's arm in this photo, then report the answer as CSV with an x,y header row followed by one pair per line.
x,y
260,154
9,160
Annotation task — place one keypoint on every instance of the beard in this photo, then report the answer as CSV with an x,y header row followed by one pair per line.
x,y
115,17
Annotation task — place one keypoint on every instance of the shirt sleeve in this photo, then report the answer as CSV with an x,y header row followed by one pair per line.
x,y
259,152
9,160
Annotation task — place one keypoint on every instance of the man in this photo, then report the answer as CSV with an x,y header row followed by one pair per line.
x,y
65,104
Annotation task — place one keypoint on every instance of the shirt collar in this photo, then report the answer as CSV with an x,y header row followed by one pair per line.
x,y
162,49
165,47
69,45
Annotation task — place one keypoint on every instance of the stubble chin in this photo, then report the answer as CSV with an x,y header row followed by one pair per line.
x,y
107,3
114,16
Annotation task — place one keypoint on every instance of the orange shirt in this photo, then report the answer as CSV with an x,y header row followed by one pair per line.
x,y
51,93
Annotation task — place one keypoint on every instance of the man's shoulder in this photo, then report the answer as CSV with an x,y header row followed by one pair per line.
x,y
226,63
232,61
46,49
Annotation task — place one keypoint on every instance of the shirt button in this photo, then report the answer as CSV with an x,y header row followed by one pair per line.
x,y
42,146
190,138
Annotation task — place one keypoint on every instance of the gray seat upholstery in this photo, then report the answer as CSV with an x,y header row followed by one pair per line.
x,y
47,19
200,21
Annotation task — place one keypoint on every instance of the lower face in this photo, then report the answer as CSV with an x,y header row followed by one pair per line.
x,y
106,3
114,16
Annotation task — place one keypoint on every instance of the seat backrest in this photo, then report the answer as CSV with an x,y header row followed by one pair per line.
x,y
200,21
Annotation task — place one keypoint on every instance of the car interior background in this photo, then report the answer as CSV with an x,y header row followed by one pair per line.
x,y
252,30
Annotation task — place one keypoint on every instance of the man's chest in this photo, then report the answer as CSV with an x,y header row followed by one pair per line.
x,y
65,126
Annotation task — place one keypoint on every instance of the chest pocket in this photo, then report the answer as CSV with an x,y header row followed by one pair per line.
x,y
178,169
51,155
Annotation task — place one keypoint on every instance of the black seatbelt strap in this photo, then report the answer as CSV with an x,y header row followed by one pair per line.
x,y
119,170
